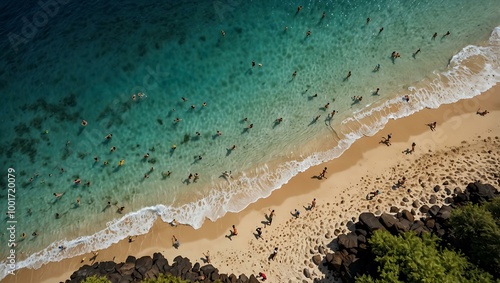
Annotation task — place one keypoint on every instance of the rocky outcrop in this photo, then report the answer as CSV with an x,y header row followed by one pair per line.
x,y
136,270
354,257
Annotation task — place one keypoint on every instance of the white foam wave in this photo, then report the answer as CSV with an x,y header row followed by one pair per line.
x,y
458,82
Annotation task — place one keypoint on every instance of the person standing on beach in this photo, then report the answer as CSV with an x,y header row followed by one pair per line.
x,y
275,252
313,204
175,242
234,232
207,257
413,147
259,232
270,217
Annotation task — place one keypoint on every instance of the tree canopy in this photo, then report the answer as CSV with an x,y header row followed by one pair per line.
x,y
478,232
409,258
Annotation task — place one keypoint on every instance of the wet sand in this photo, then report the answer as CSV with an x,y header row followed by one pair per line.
x,y
463,148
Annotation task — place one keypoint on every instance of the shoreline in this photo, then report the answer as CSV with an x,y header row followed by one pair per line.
x,y
365,157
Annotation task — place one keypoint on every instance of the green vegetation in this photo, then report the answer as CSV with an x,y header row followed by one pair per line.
x,y
409,258
95,279
478,232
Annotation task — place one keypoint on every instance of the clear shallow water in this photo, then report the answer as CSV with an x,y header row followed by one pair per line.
x,y
88,60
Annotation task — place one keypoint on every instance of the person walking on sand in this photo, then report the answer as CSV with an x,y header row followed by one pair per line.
x,y
234,232
207,257
432,126
313,204
175,243
259,232
270,217
413,146
322,175
275,252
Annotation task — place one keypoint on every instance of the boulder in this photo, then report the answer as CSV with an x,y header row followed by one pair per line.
x,y
127,268
215,275
361,239
447,191
191,276
480,193
253,279
316,259
145,261
348,241
243,278
449,200
114,277
152,273
130,259
415,204
321,250
408,216
424,208
336,261
402,226
157,256
107,267
444,213
394,209
434,210
307,274
162,264
138,276
233,278
361,231
432,200
196,267
430,223
436,188
207,270
370,221
387,220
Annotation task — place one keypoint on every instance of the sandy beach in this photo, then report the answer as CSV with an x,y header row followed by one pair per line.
x,y
464,147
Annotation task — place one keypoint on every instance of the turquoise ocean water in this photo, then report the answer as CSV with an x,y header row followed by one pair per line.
x,y
64,61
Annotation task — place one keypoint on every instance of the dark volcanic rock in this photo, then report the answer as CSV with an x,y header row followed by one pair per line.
x,y
348,241
130,259
253,279
145,261
394,209
407,215
370,221
424,208
433,211
307,274
437,188
387,220
107,267
316,259
480,193
127,269
444,213
415,204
